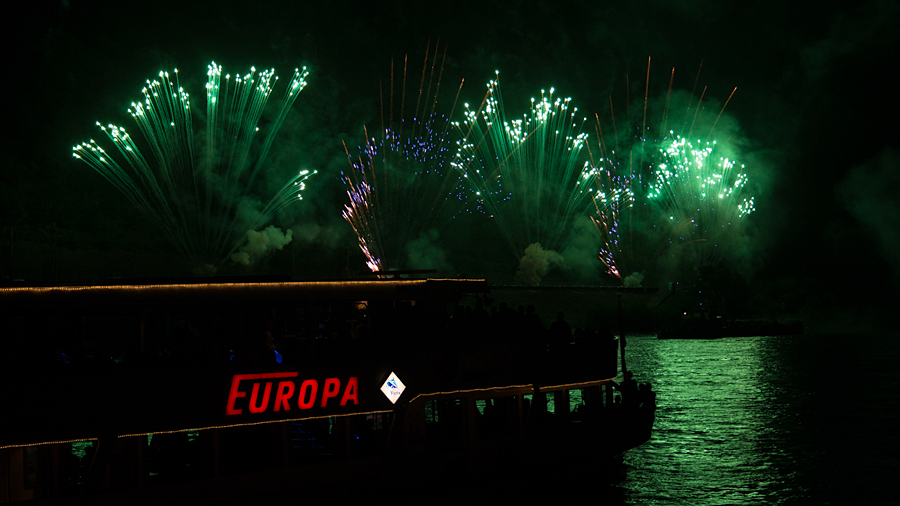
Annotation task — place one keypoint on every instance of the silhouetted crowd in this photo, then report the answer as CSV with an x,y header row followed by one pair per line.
x,y
635,394
502,323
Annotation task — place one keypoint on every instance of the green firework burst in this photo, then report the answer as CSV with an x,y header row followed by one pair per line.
x,y
194,187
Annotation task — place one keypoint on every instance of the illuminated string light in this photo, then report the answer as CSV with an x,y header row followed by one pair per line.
x,y
246,424
472,390
525,387
583,384
64,441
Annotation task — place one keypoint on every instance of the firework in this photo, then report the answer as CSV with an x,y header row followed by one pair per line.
x,y
401,187
527,174
611,200
614,196
700,195
193,189
631,229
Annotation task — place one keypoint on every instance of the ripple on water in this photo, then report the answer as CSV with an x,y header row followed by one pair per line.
x,y
767,420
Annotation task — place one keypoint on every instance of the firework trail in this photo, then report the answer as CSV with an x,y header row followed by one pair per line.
x,y
700,195
193,199
402,190
614,196
612,199
527,174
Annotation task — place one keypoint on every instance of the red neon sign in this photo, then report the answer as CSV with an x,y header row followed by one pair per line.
x,y
285,390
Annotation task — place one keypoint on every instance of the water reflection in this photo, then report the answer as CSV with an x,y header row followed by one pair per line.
x,y
717,435
764,420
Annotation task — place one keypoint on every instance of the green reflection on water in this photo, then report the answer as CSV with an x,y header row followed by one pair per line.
x,y
714,440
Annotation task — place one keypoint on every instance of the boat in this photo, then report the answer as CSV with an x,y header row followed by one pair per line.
x,y
218,390
693,329
718,328
748,328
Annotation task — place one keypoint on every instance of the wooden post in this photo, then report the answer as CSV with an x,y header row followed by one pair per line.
x,y
622,337
471,426
143,331
55,475
285,444
520,419
215,452
140,443
561,401
97,472
347,429
4,475
16,469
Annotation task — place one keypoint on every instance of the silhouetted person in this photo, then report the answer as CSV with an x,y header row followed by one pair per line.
x,y
480,313
268,335
457,319
534,329
605,334
560,331
629,390
492,414
506,313
537,413
648,396
533,319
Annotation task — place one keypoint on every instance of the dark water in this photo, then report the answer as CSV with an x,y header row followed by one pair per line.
x,y
811,419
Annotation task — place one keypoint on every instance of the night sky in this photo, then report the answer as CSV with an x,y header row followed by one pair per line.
x,y
815,111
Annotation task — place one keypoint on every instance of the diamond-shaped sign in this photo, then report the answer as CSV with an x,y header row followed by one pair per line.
x,y
393,387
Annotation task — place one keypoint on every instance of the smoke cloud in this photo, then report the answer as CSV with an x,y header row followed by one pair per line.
x,y
260,244
869,193
580,256
536,262
425,253
633,280
329,236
